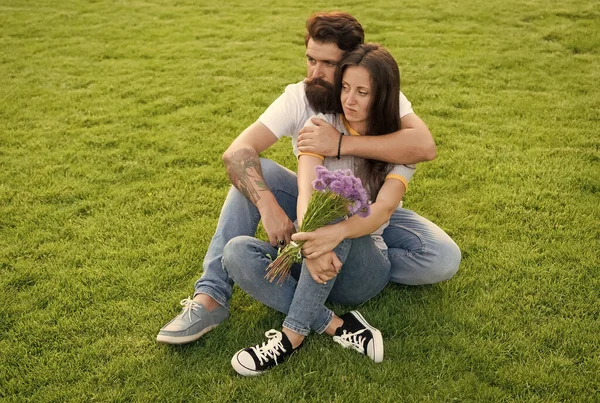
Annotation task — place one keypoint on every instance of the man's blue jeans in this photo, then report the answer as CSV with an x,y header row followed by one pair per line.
x,y
419,251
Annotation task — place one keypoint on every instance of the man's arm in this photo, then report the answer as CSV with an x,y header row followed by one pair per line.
x,y
410,145
244,170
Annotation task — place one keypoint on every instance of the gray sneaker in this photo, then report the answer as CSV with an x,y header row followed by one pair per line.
x,y
194,321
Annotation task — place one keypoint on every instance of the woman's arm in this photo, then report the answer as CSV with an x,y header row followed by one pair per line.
x,y
326,266
328,237
306,175
387,202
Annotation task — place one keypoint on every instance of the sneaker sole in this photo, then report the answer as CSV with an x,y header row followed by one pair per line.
x,y
242,370
377,337
161,338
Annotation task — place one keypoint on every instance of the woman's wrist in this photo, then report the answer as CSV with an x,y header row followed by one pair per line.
x,y
341,230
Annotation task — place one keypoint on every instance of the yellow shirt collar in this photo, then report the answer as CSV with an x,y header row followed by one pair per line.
x,y
350,130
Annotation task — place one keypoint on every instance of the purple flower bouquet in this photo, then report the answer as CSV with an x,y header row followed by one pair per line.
x,y
337,194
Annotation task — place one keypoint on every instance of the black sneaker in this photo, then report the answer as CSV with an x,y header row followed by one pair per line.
x,y
258,359
356,333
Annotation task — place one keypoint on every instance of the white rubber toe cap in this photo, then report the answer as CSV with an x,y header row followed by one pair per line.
x,y
243,363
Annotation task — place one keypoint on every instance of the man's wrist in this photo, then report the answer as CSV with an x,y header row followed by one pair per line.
x,y
340,146
345,146
266,202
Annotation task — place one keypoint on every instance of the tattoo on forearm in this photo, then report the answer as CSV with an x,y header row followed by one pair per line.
x,y
243,168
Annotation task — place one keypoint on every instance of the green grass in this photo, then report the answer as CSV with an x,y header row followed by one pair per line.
x,y
113,119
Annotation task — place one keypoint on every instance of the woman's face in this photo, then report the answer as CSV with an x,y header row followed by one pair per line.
x,y
356,96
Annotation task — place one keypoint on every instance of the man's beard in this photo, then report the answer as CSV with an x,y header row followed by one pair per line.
x,y
320,95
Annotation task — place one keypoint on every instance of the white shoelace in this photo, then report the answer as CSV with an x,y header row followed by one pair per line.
x,y
188,306
270,349
352,340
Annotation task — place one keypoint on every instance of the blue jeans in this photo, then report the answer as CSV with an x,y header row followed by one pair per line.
x,y
365,271
419,251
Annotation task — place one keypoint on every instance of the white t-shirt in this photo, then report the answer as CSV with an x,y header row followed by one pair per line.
x,y
288,113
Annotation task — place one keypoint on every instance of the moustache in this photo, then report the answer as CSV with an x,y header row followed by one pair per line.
x,y
318,82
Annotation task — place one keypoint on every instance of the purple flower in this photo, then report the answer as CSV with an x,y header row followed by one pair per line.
x,y
319,185
347,181
328,179
343,183
337,187
355,206
321,170
364,197
364,211
353,194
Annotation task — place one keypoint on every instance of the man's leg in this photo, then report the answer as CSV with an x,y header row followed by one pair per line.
x,y
238,217
420,251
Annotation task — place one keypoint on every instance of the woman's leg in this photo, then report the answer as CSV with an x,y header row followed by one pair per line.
x,y
365,272
245,260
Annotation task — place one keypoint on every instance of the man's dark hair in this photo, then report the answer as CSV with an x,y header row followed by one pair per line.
x,y
384,108
335,27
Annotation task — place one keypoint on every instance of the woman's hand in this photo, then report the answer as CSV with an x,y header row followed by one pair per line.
x,y
320,241
323,268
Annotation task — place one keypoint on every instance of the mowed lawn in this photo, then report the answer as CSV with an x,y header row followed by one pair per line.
x,y
113,119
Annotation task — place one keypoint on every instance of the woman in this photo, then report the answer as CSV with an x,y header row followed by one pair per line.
x,y
367,88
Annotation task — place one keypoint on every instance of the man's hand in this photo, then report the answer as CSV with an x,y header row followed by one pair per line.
x,y
324,268
320,241
321,139
277,225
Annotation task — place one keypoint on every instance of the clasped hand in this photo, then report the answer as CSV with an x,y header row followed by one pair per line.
x,y
324,268
322,263
321,139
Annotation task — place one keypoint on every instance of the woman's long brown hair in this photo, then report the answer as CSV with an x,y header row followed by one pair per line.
x,y
384,109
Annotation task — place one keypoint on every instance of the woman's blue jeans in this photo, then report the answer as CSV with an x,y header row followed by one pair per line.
x,y
419,251
365,271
